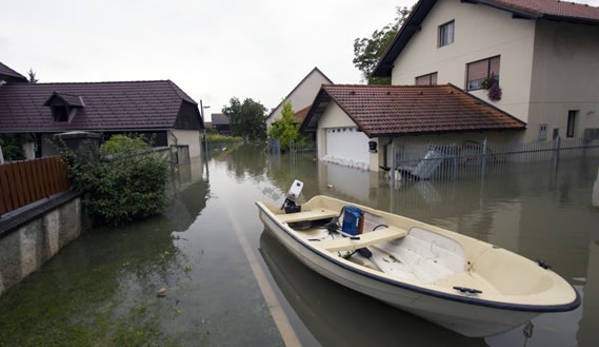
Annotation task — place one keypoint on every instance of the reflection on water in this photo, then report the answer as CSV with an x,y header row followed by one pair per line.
x,y
341,317
101,289
535,213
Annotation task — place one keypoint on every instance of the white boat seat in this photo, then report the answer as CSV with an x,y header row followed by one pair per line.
x,y
366,239
311,215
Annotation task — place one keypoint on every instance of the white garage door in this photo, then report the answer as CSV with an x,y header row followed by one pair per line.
x,y
347,146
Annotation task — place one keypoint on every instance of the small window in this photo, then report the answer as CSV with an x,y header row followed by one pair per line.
x,y
542,132
446,33
477,72
571,123
427,80
60,113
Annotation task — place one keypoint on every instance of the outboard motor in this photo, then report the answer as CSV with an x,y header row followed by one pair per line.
x,y
290,204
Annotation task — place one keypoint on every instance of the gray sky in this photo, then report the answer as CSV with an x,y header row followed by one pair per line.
x,y
212,49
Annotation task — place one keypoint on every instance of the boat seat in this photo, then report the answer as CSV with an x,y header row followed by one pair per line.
x,y
366,239
311,215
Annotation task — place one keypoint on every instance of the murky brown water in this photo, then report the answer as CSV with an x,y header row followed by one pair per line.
x,y
213,298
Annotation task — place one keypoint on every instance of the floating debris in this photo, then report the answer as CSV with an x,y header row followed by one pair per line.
x,y
161,292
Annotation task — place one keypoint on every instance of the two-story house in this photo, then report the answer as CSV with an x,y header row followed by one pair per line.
x,y
464,71
544,55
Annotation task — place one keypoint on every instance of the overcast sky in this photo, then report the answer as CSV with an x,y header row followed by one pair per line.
x,y
213,49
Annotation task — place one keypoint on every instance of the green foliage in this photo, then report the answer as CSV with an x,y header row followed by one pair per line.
x,y
368,51
285,130
218,138
246,119
125,186
120,143
12,146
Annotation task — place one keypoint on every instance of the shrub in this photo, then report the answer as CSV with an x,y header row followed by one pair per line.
x,y
126,181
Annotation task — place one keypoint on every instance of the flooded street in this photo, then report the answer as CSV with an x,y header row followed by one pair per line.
x,y
218,263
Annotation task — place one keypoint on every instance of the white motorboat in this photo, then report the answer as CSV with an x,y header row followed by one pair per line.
x,y
461,283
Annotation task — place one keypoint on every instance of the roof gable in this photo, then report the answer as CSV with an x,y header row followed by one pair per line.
x,y
317,71
10,74
524,9
103,106
395,110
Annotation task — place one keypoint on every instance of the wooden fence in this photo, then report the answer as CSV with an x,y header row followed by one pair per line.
x,y
25,182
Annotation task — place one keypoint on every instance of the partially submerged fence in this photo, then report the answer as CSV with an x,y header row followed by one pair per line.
x,y
472,159
25,182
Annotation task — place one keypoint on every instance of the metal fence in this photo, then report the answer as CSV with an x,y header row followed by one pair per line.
x,y
274,147
473,159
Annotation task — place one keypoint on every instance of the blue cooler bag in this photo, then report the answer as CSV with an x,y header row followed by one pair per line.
x,y
352,220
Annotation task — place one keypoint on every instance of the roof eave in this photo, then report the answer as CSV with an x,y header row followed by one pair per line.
x,y
442,132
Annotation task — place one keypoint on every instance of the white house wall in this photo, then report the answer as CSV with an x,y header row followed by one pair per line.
x,y
480,32
565,77
302,96
190,138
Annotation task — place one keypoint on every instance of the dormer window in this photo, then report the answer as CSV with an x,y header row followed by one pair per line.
x,y
60,113
64,107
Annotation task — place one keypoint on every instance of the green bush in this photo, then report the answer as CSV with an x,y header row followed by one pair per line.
x,y
125,181
12,146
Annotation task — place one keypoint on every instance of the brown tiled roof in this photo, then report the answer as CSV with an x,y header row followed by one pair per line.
x,y
396,110
527,9
542,8
137,105
300,115
5,70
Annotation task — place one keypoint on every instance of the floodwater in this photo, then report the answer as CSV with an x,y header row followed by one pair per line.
x,y
215,259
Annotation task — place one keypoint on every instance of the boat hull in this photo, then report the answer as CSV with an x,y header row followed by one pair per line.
x,y
462,316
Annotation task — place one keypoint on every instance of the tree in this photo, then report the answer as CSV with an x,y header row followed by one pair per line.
x,y
285,130
368,51
32,78
246,119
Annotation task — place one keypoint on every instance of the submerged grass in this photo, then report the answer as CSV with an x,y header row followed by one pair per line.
x,y
84,311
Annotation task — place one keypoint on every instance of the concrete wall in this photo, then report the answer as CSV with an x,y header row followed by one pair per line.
x,y
565,77
32,235
190,138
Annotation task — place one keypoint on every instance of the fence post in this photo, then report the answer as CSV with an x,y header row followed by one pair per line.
x,y
393,164
556,153
455,161
483,168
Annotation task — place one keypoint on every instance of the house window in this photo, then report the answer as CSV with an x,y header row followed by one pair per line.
x,y
571,123
478,71
446,33
542,132
427,80
60,113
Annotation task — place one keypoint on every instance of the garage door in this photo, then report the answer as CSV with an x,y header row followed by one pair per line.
x,y
347,145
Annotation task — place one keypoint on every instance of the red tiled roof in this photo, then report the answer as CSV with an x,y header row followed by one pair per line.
x,y
5,70
300,115
136,105
394,110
